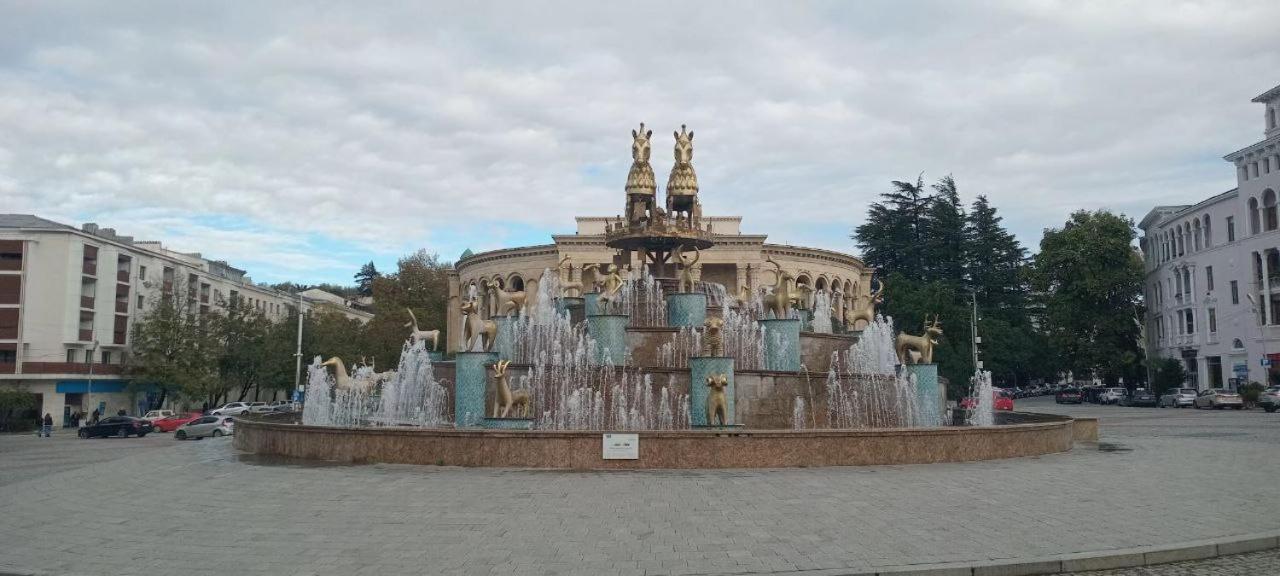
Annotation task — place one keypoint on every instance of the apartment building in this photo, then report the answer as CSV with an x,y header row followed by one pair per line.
x,y
69,297
1213,271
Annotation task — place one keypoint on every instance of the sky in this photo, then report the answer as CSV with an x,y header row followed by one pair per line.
x,y
300,140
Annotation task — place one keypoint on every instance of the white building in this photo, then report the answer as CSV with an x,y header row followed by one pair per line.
x,y
1213,270
69,297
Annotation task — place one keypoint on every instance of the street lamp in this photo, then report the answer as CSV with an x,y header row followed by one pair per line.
x,y
1262,337
92,352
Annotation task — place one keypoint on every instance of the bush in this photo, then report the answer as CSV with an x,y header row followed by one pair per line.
x,y
1251,392
18,411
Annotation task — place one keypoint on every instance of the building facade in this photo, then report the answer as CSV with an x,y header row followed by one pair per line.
x,y
1212,284
69,298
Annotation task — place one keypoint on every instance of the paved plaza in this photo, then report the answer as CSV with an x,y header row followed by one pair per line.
x,y
143,506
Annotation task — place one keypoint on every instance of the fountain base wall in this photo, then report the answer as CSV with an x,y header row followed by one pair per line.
x,y
581,450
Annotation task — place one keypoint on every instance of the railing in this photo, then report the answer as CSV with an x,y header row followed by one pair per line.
x,y
69,368
122,276
122,307
118,337
90,267
86,335
8,265
8,368
86,302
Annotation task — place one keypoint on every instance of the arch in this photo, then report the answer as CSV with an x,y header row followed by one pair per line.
x,y
1195,234
1253,216
820,284
1208,233
1237,344
1269,220
515,282
848,288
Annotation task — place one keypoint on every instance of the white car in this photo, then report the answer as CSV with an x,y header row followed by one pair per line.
x,y
1178,397
260,408
214,426
1112,395
231,409
154,415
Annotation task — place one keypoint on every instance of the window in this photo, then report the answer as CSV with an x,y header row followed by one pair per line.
x,y
1235,292
139,307
1191,322
1253,216
1213,320
1208,277
1231,228
1271,118
1208,233
142,272
8,356
1253,169
106,356
71,356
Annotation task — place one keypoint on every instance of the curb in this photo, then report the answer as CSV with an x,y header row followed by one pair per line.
x,y
1082,561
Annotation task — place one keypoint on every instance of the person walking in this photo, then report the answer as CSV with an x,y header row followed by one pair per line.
x,y
47,425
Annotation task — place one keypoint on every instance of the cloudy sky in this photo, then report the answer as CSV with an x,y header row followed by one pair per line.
x,y
299,140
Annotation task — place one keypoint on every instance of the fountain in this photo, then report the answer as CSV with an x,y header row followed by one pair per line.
x,y
704,378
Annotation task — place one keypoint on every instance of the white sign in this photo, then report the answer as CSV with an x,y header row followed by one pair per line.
x,y
621,447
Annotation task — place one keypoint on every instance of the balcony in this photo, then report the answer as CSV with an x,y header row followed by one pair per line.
x,y
86,335
8,368
122,276
86,302
10,264
118,337
90,268
122,307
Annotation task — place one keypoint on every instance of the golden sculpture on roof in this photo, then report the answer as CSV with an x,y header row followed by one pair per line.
x,y
682,185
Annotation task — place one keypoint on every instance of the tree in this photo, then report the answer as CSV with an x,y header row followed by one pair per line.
x,y
173,349
891,236
1092,278
995,260
18,410
241,335
420,283
943,247
365,277
1167,374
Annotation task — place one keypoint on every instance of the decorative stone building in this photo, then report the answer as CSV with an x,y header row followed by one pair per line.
x,y
735,261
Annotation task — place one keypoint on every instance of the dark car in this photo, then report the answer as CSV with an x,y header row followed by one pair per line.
x,y
122,426
1069,396
1140,397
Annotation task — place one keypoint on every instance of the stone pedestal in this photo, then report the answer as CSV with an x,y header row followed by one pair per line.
x,y
700,367
508,423
472,379
931,398
436,356
686,309
591,304
610,334
781,344
574,306
504,342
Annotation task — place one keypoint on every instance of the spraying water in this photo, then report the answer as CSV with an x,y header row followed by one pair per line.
x,y
984,412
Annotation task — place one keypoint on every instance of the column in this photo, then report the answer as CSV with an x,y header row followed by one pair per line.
x,y
1266,289
453,316
741,280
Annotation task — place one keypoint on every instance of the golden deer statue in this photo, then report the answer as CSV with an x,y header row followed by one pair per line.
x,y
419,335
474,327
784,294
568,286
923,343
505,302
503,398
686,268
717,401
343,381
866,311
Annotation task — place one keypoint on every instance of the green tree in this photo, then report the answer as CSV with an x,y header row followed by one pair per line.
x,y
1167,374
241,333
420,283
891,236
1092,278
18,410
173,349
365,277
943,248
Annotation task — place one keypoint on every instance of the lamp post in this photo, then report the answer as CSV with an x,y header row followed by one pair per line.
x,y
1262,339
89,383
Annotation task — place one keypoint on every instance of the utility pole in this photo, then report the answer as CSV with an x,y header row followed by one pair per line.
x,y
297,356
974,338
89,382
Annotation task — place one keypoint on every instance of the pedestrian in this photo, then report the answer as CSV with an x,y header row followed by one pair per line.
x,y
94,419
47,426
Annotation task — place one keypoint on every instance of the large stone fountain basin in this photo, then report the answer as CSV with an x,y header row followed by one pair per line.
x,y
1035,434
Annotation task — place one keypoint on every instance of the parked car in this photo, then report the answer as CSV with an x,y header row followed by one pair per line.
x,y
174,422
261,408
1269,400
214,426
122,426
1219,398
284,406
230,409
154,415
1002,400
1112,396
1178,398
1140,397
1069,396
1092,394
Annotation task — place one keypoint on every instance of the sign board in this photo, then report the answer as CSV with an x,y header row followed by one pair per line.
x,y
1265,361
1240,370
621,447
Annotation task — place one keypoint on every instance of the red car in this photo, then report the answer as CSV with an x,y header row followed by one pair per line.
x,y
173,422
1003,401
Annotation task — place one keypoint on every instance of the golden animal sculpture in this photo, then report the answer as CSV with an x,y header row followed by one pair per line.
x,y
743,300
611,287
717,401
923,343
641,185
712,339
784,293
343,381
682,185
866,311
474,327
503,398
569,288
506,302
686,268
420,335
595,276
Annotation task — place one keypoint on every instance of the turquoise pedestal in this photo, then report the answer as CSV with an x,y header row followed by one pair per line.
x,y
610,333
504,343
436,356
806,320
508,423
472,380
931,399
574,306
700,367
591,304
686,309
781,344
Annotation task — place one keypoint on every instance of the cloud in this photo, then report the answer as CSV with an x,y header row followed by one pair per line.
x,y
334,135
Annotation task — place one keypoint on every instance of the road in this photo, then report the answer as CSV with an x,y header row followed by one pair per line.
x,y
139,506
